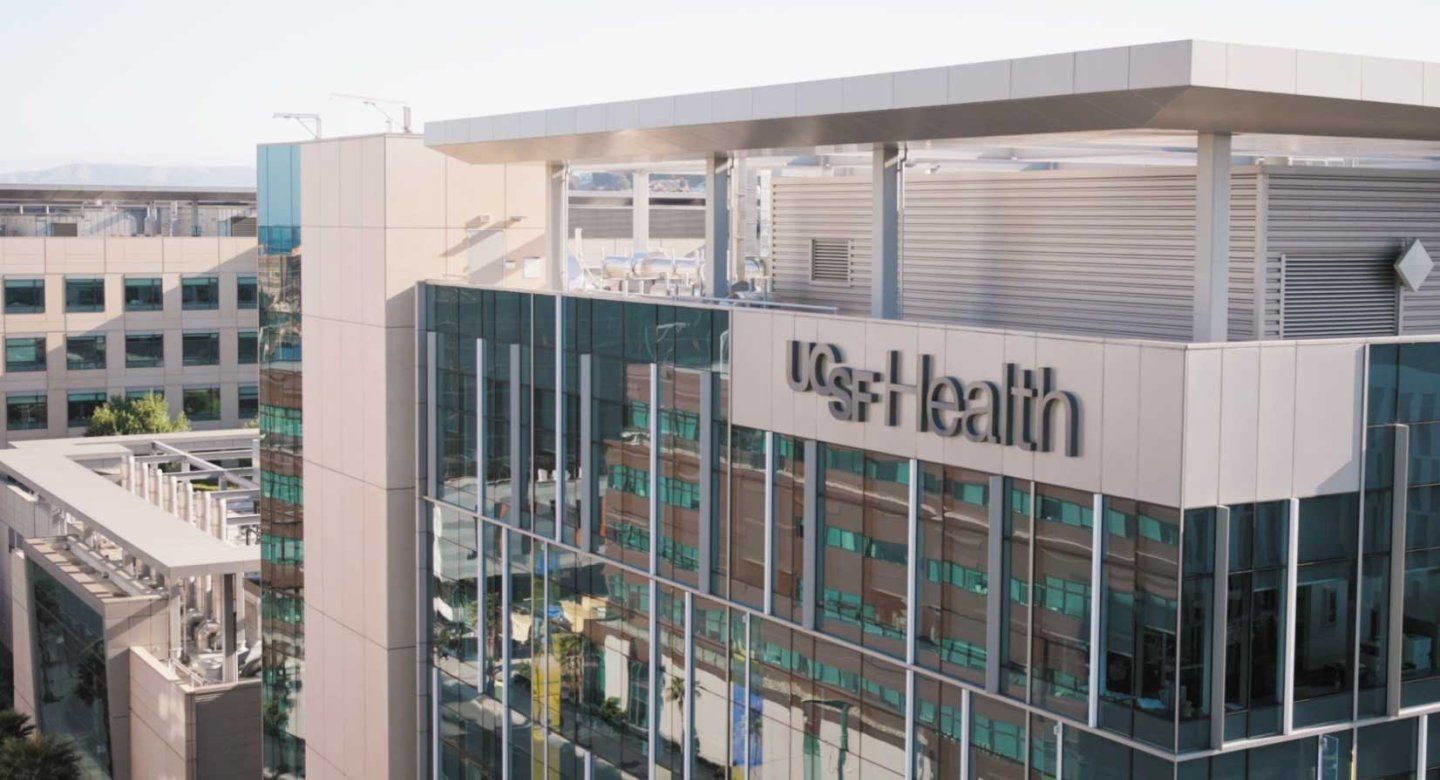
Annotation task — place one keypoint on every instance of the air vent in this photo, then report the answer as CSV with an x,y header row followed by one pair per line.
x,y
830,260
1338,296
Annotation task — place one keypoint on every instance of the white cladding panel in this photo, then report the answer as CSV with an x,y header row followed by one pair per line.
x,y
1178,425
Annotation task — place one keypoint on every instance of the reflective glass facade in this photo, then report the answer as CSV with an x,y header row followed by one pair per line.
x,y
282,562
69,658
625,584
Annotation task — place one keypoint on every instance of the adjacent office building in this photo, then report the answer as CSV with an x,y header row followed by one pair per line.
x,y
111,291
1065,416
130,600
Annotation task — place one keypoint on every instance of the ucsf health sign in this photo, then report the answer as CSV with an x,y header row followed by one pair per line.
x,y
1013,412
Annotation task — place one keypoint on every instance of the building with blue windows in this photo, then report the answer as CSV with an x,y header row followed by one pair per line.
x,y
1057,417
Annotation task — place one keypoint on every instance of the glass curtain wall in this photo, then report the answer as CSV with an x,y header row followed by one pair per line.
x,y
1140,576
282,564
551,656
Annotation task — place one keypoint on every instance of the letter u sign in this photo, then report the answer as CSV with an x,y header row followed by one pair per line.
x,y
809,365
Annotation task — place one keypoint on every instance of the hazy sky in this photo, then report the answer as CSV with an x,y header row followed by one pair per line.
x,y
186,82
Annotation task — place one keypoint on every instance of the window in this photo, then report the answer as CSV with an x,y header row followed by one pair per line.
x,y
200,348
200,293
1324,633
246,292
24,296
830,260
81,404
863,551
1139,590
1255,630
144,350
246,352
144,294
954,519
85,353
1064,523
84,295
24,353
26,412
141,392
202,403
249,402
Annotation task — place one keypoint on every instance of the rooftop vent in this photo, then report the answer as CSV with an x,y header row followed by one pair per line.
x,y
830,260
1327,297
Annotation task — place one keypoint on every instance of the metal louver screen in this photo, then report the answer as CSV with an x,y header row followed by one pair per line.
x,y
830,260
1338,296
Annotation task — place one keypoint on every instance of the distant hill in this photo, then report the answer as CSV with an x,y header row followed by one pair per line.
x,y
137,175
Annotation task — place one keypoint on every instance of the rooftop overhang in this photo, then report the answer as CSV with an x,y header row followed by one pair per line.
x,y
1181,86
53,470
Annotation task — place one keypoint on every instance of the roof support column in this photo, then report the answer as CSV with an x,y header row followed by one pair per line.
x,y
717,225
557,195
885,232
1212,237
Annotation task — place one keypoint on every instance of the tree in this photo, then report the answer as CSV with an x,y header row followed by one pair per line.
x,y
14,725
146,414
39,757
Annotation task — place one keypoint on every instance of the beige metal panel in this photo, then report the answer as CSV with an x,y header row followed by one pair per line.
x,y
1079,367
931,341
882,336
1275,431
1160,413
1020,350
969,356
782,398
1204,387
1329,384
1119,437
753,378
849,334
1239,424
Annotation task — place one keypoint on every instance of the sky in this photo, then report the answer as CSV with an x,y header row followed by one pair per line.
x,y
179,82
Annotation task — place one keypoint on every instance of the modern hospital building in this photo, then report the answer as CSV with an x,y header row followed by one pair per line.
x,y
1073,416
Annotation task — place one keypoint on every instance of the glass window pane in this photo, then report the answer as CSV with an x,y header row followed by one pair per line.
x,y
1140,572
246,292
954,581
246,347
84,353
26,412
144,294
1325,609
1060,660
1256,619
81,404
200,293
84,295
24,296
200,348
249,401
202,403
144,350
24,353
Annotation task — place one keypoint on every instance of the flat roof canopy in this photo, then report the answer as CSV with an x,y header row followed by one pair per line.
x,y
162,540
1178,86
